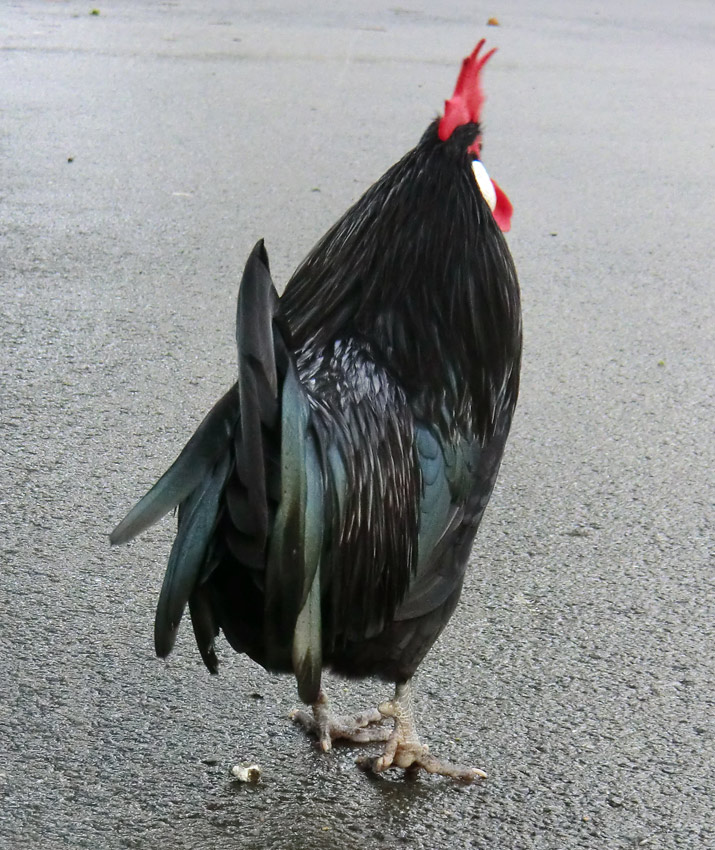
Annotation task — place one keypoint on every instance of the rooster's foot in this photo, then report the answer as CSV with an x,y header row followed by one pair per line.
x,y
359,729
404,749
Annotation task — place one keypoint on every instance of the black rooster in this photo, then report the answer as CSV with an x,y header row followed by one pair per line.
x,y
328,502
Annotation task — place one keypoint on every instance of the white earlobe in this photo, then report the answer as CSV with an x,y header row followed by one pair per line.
x,y
486,187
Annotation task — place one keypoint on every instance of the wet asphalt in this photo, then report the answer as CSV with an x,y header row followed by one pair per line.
x,y
144,150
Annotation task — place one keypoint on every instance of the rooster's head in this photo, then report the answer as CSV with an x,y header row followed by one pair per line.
x,y
464,107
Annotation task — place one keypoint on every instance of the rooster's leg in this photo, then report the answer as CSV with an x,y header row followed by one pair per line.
x,y
404,749
327,728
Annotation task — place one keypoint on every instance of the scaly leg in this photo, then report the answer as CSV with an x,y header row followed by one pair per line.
x,y
404,749
359,729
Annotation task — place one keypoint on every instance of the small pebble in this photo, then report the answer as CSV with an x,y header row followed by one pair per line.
x,y
246,772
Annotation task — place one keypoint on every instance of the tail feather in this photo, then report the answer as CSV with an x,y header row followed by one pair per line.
x,y
235,487
245,549
307,645
197,520
296,543
205,627
250,489
186,473
239,507
257,383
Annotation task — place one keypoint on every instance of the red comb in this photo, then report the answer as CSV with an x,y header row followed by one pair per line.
x,y
465,104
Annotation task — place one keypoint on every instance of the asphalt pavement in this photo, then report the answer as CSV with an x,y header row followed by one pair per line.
x,y
143,151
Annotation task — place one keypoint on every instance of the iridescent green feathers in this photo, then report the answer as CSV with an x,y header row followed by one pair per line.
x,y
314,508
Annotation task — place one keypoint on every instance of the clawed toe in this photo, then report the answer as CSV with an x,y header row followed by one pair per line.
x,y
360,729
415,757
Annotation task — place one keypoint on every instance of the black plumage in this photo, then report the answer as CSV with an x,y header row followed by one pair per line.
x,y
328,502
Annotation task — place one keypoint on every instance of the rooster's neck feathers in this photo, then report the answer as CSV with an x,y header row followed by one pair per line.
x,y
419,269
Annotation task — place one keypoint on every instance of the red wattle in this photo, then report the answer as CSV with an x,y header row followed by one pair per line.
x,y
503,210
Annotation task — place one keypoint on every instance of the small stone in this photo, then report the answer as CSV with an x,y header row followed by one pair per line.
x,y
246,773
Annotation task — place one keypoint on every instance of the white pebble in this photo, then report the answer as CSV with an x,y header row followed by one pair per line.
x,y
246,772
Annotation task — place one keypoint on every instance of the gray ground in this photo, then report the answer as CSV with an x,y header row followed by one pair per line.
x,y
578,670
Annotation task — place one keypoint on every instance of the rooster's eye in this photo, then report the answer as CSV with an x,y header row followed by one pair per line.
x,y
486,187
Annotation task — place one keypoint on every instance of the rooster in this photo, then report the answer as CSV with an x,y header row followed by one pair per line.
x,y
328,502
